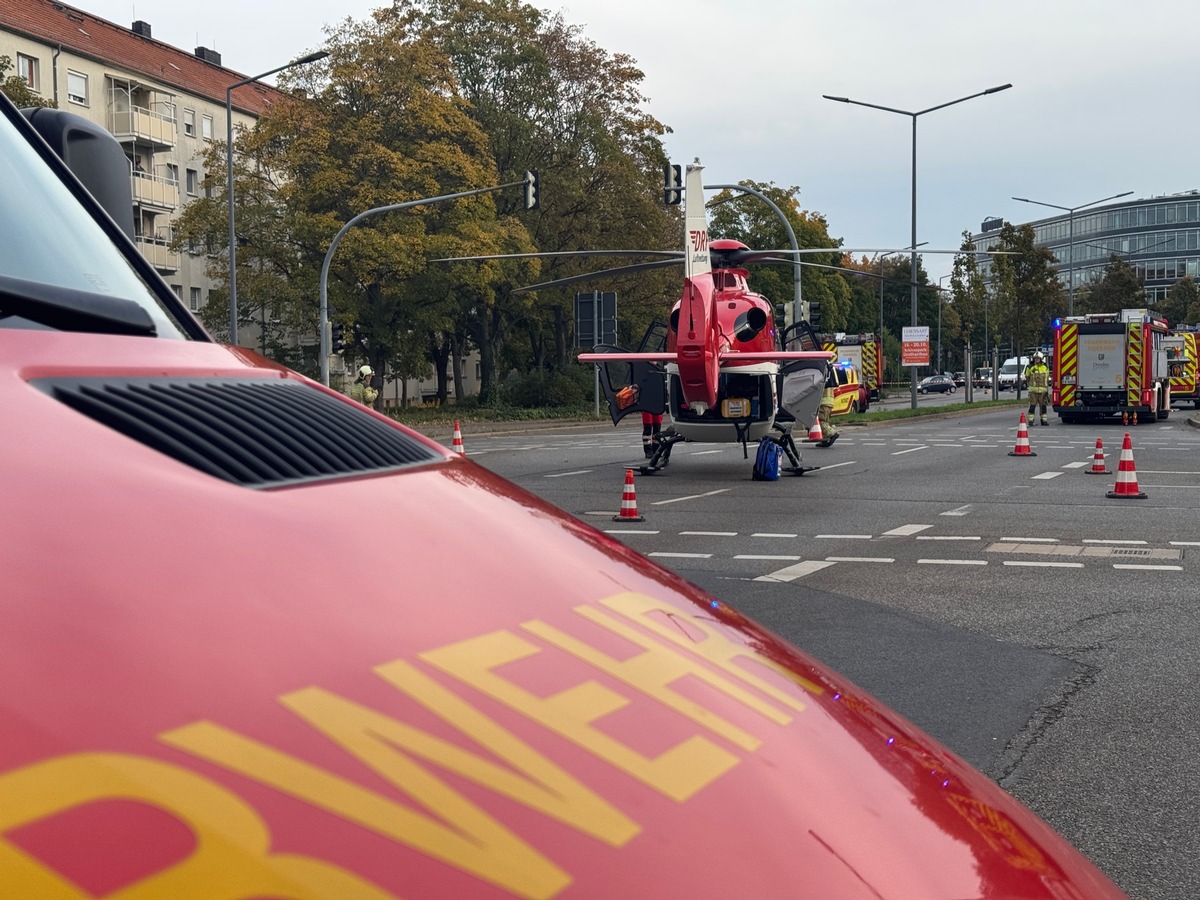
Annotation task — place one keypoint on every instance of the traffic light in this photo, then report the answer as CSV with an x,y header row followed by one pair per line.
x,y
814,314
338,339
672,185
532,201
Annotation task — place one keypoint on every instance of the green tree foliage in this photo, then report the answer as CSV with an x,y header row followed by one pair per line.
x,y
1181,306
17,90
970,298
1117,288
549,99
744,217
1027,292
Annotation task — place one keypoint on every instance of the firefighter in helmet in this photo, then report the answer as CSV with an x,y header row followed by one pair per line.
x,y
829,434
1037,378
361,390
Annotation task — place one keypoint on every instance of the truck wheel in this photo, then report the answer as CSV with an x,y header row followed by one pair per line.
x,y
854,406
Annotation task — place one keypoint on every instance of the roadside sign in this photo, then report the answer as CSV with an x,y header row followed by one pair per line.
x,y
595,318
914,346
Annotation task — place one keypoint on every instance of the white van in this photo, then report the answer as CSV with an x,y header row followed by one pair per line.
x,y
1008,372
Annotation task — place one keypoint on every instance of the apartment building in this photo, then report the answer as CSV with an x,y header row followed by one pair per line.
x,y
162,103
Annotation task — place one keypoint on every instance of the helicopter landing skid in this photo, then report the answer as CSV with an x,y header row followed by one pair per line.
x,y
661,457
788,443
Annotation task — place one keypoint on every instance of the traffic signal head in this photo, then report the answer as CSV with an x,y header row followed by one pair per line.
x,y
532,200
672,185
338,337
814,314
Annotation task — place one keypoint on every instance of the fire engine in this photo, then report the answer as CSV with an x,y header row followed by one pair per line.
x,y
213,683
863,351
1180,345
1111,364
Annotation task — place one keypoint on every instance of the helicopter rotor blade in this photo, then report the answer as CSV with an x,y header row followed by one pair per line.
x,y
669,253
603,273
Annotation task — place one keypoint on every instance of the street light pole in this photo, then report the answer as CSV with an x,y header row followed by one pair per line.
x,y
233,314
913,244
1070,211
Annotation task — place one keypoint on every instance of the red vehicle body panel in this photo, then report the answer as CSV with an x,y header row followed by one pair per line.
x,y
427,683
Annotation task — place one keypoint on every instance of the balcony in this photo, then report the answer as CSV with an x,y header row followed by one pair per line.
x,y
157,251
155,191
136,123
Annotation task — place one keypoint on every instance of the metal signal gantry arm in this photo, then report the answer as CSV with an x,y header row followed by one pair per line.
x,y
322,329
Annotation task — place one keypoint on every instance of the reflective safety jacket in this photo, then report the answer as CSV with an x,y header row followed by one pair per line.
x,y
1037,378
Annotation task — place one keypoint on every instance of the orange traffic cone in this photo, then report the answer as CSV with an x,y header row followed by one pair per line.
x,y
1022,448
1098,460
458,444
815,433
1127,486
629,511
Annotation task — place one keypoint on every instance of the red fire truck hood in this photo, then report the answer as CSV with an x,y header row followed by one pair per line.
x,y
410,677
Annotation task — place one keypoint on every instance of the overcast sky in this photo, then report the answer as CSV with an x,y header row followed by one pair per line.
x,y
1103,97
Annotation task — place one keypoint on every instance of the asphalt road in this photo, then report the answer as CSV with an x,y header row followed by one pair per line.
x,y
1047,633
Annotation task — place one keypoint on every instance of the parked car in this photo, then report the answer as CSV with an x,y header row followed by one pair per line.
x,y
937,384
960,379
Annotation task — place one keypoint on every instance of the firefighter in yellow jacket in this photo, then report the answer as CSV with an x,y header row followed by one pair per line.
x,y
1037,378
361,390
829,434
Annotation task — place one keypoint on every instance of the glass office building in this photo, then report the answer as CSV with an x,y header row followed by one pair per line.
x,y
1159,237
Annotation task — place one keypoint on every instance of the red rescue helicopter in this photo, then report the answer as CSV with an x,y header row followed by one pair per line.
x,y
211,686
719,365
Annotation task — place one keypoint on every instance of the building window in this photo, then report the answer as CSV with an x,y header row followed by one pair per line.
x,y
173,173
189,122
178,289
193,182
27,69
194,299
206,128
77,88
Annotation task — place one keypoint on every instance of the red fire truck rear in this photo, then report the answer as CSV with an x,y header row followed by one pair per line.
x,y
1180,345
1111,364
863,351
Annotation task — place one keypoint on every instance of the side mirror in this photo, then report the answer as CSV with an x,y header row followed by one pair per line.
x,y
93,155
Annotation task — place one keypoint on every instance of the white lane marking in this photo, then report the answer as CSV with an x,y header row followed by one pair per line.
x,y
953,562
939,537
1044,565
1103,541
1185,543
1029,540
791,573
847,537
867,559
905,530
629,531
1164,472
691,497
848,462
902,452
874,443
1078,465
683,555
1045,476
712,533
961,511
947,445
772,534
565,474
764,556
703,452
1150,568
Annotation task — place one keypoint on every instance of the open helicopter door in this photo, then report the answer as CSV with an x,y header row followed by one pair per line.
x,y
631,386
802,381
801,384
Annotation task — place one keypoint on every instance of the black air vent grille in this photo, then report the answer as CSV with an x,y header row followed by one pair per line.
x,y
250,432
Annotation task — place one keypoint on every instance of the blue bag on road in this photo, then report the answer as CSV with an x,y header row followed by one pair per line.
x,y
766,460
